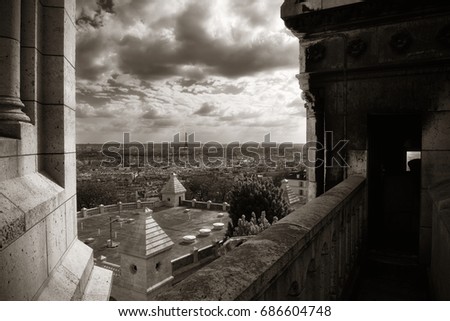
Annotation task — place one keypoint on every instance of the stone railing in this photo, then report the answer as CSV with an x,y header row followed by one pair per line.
x,y
309,255
102,209
196,257
109,266
206,205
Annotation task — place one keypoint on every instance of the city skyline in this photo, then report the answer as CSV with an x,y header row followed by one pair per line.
x,y
224,70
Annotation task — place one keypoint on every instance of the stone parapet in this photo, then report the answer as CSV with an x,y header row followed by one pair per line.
x,y
309,254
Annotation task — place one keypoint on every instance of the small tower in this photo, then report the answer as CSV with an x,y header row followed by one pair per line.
x,y
145,261
288,194
173,192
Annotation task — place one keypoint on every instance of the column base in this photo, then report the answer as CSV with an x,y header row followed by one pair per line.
x,y
11,110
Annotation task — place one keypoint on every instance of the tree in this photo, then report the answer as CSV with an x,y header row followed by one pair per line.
x,y
250,197
92,194
208,188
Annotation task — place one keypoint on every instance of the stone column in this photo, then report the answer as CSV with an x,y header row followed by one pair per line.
x,y
10,103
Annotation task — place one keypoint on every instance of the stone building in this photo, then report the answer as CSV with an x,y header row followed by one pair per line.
x,y
375,74
41,257
145,261
173,193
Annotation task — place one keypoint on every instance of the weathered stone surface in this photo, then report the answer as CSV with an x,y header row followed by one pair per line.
x,y
435,167
12,222
70,278
23,265
8,168
436,131
56,236
99,286
71,220
33,194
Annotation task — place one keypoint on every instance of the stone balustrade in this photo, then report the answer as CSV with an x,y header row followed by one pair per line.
x,y
206,205
308,255
102,209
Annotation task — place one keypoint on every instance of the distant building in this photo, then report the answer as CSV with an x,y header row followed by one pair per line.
x,y
173,193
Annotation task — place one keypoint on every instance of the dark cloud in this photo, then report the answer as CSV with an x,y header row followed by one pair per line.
x,y
88,16
207,110
89,48
194,46
164,123
152,114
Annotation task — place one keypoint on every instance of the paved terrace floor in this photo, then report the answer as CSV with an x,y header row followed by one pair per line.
x,y
173,221
387,275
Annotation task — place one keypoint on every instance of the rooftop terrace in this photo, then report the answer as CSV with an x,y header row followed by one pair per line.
x,y
174,221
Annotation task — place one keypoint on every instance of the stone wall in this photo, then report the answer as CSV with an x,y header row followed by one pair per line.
x,y
377,58
40,255
310,254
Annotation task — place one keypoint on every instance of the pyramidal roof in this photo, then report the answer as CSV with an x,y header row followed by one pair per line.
x,y
173,186
288,194
146,239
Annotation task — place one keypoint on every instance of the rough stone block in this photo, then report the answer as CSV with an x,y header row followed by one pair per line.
x,y
23,265
425,245
33,194
69,85
69,36
80,262
435,167
53,80
436,131
28,140
12,222
60,287
426,209
71,220
8,147
53,18
8,168
53,125
27,164
99,286
56,236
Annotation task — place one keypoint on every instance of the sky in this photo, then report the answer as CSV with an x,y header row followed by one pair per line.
x,y
222,69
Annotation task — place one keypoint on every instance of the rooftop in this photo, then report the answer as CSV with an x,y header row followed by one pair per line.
x,y
175,222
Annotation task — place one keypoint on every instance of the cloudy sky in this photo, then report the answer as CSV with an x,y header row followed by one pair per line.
x,y
224,69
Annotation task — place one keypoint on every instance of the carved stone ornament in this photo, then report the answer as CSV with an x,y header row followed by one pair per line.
x,y
309,100
315,53
401,41
443,36
356,48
